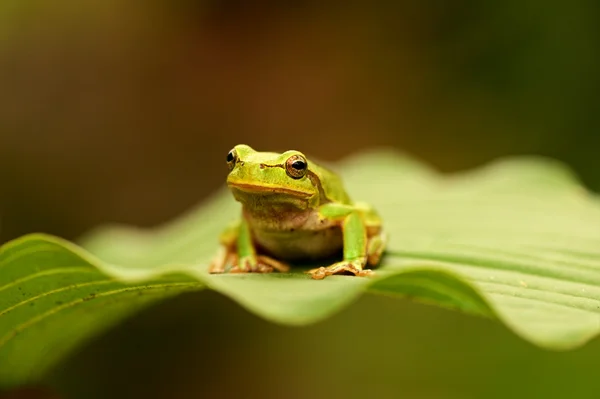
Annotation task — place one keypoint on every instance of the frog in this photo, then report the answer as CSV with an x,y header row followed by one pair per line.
x,y
295,210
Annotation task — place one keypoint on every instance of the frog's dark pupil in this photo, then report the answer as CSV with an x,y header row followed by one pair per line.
x,y
299,165
230,156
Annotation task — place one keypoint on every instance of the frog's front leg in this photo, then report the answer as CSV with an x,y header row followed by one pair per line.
x,y
358,247
237,250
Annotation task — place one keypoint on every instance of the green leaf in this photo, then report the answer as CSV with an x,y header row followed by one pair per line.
x,y
517,240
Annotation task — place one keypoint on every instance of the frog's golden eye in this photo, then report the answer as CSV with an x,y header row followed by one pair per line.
x,y
296,166
231,158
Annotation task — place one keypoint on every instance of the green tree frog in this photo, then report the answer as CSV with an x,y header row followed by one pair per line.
x,y
292,210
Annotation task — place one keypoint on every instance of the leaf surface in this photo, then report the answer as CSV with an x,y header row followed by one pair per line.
x,y
517,240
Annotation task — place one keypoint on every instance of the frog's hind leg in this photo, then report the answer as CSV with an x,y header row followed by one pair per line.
x,y
375,248
227,252
237,250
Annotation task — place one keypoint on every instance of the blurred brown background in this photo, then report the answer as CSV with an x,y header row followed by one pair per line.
x,y
124,111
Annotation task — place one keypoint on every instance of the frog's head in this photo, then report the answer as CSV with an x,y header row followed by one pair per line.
x,y
260,177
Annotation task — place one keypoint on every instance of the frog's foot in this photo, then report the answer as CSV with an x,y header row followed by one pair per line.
x,y
224,257
259,264
275,264
375,248
349,266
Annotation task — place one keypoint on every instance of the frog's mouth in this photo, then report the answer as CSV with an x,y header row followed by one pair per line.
x,y
265,189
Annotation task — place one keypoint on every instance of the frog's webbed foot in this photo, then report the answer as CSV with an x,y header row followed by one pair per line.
x,y
275,264
349,266
259,264
225,256
246,264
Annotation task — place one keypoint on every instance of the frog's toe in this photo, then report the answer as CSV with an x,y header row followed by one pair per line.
x,y
259,268
260,264
256,269
246,264
354,267
273,264
223,257
365,273
318,274
216,267
262,268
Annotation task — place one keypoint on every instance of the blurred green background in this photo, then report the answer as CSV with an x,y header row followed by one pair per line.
x,y
123,111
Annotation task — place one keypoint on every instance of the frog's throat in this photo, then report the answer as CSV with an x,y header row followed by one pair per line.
x,y
268,189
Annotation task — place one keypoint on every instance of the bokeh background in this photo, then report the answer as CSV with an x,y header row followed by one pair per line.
x,y
124,111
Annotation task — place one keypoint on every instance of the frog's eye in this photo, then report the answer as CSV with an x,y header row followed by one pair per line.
x,y
296,166
231,158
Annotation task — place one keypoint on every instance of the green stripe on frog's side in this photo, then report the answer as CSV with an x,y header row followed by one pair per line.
x,y
294,209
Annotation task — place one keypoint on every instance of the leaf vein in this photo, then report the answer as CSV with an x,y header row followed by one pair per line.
x,y
49,272
66,288
462,260
21,327
24,252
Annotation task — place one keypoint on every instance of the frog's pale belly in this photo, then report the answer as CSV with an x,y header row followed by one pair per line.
x,y
300,244
293,234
